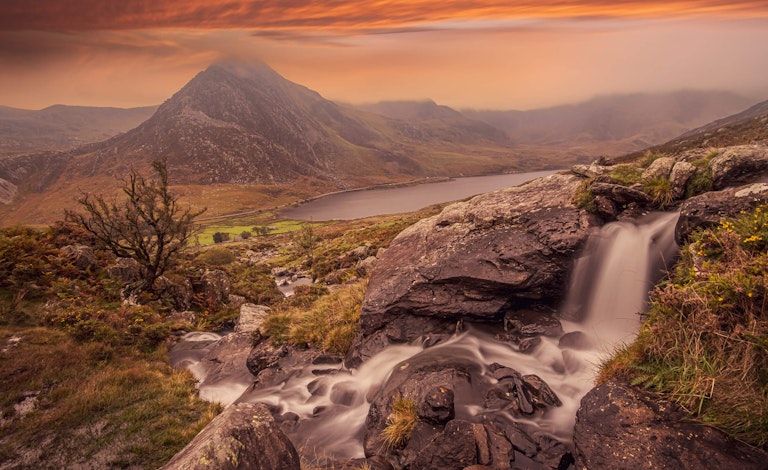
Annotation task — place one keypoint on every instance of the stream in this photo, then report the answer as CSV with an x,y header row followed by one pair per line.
x,y
609,287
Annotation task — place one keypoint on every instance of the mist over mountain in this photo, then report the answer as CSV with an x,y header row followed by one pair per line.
x,y
747,127
61,127
615,124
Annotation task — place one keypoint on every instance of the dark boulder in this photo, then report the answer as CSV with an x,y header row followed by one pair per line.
x,y
453,448
710,208
244,436
431,388
477,259
263,356
619,194
621,427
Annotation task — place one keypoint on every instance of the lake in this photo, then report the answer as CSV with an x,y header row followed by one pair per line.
x,y
366,203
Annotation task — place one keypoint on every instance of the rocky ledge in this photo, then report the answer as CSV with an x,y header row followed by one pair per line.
x,y
479,260
623,427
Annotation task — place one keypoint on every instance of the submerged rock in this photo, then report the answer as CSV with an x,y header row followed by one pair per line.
x,y
621,427
244,436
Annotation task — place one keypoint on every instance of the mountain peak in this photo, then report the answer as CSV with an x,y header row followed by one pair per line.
x,y
252,69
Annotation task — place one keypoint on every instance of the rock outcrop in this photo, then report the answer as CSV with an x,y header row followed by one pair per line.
x,y
81,256
244,436
738,165
621,427
439,387
477,260
710,208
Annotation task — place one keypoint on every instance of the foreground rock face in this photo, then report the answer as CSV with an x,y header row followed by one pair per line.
x,y
244,436
621,427
476,260
710,208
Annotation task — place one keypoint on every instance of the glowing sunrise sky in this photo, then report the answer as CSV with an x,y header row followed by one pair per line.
x,y
481,54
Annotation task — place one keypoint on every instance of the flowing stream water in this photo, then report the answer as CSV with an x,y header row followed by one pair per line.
x,y
610,285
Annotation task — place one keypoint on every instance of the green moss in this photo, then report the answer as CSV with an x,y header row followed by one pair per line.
x,y
626,175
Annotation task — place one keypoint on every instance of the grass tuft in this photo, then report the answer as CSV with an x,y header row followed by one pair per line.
x,y
400,423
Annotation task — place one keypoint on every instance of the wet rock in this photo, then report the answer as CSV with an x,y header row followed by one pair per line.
x,y
528,345
517,393
81,256
430,386
618,426
263,356
226,374
243,436
619,194
710,208
344,393
251,318
498,251
739,165
539,392
454,448
125,270
532,323
606,207
679,177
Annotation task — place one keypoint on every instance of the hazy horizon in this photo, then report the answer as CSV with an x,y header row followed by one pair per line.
x,y
482,55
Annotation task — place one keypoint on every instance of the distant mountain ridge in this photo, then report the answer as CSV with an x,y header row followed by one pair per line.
x,y
62,127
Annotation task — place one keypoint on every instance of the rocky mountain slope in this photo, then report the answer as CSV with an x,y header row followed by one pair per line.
x,y
238,124
61,127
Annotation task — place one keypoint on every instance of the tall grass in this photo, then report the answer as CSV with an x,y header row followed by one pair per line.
x,y
329,322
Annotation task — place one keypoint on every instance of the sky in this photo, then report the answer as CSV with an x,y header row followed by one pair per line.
x,y
483,54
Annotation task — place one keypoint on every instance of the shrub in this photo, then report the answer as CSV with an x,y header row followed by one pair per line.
x,y
217,256
245,235
220,237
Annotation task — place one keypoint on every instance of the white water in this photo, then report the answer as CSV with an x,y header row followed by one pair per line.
x,y
609,288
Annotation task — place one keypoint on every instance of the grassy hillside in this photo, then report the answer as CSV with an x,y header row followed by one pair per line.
x,y
86,378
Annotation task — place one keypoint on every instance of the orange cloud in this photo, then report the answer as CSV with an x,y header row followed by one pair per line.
x,y
336,14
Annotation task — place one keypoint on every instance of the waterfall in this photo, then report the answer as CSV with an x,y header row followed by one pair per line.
x,y
609,288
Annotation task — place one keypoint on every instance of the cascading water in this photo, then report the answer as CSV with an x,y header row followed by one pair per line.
x,y
609,288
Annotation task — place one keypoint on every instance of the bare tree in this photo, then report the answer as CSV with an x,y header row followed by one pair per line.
x,y
147,224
